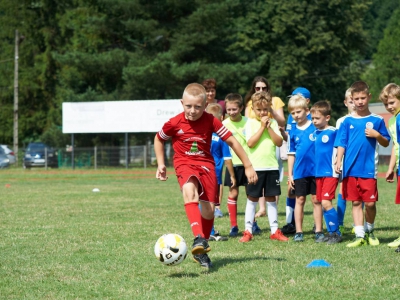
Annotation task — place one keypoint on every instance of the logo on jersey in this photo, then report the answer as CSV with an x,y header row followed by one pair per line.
x,y
311,137
180,131
195,138
351,126
325,138
194,150
369,125
289,127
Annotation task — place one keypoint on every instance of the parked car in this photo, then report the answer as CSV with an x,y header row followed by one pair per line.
x,y
35,156
9,153
4,161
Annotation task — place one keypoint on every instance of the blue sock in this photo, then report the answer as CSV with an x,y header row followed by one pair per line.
x,y
290,204
331,220
341,209
212,231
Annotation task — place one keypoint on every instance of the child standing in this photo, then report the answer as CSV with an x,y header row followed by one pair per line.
x,y
301,172
263,136
341,203
390,96
358,139
236,124
191,133
326,178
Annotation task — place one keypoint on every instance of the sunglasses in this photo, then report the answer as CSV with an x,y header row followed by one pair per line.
x,y
259,88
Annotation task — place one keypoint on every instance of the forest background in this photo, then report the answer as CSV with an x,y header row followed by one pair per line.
x,y
97,50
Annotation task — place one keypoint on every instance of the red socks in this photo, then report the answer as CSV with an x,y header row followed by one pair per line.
x,y
207,227
194,216
232,208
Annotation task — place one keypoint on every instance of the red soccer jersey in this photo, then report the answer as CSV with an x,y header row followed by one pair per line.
x,y
191,140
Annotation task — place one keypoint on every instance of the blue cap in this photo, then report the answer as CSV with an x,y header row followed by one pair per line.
x,y
302,91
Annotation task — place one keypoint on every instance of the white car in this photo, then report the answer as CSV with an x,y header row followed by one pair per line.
x,y
9,153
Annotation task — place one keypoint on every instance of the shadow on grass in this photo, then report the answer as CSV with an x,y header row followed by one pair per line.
x,y
184,275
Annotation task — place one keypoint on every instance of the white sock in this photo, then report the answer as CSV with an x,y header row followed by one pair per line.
x,y
359,230
289,214
368,227
249,215
272,216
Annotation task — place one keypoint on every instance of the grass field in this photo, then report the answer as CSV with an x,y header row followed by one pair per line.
x,y
60,240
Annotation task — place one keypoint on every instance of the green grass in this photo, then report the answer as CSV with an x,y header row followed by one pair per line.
x,y
60,240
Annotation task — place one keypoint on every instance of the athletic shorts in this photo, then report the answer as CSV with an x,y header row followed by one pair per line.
x,y
240,176
305,186
208,186
268,185
360,189
326,187
397,200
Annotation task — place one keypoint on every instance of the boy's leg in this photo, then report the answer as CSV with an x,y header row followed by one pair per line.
x,y
272,209
217,212
251,206
299,213
232,209
207,218
341,207
191,199
370,213
262,208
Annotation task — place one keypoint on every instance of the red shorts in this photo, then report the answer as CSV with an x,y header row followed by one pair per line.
x,y
397,200
207,178
360,189
326,188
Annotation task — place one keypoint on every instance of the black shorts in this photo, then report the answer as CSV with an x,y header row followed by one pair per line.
x,y
268,185
305,186
240,176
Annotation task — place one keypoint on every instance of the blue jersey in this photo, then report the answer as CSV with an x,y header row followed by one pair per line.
x,y
301,144
220,152
291,123
361,152
326,152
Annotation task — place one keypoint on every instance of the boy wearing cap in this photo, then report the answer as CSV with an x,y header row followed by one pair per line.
x,y
290,227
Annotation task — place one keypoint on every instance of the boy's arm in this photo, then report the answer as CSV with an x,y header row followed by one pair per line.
x,y
238,149
161,173
372,133
252,142
229,166
276,139
392,163
291,159
339,157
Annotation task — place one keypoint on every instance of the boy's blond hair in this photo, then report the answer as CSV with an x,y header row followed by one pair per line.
x,y
323,107
215,109
195,90
234,98
347,95
359,87
260,97
297,101
390,90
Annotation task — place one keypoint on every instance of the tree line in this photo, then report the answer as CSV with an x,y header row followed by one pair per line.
x,y
96,50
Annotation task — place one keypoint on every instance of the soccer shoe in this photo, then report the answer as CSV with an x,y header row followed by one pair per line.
x,y
342,229
319,237
234,231
358,241
247,237
353,230
217,237
395,243
334,238
371,239
278,235
397,250
289,229
298,237
200,246
218,213
255,228
203,260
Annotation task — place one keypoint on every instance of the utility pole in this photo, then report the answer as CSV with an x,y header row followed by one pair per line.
x,y
17,41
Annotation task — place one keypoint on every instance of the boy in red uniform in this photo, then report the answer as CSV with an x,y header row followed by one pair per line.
x,y
191,133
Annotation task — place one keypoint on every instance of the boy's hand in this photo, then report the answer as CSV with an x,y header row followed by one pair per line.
x,y
338,167
265,122
290,183
233,181
372,133
161,173
390,176
251,175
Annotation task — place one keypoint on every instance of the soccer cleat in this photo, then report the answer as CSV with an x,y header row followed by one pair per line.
x,y
218,213
371,239
278,235
234,231
217,237
200,246
395,243
247,237
203,260
289,229
255,228
358,241
298,237
334,238
397,250
319,237
342,229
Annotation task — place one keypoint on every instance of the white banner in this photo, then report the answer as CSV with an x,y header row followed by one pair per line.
x,y
118,116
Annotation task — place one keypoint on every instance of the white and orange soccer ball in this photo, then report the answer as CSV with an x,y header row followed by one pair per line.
x,y
170,249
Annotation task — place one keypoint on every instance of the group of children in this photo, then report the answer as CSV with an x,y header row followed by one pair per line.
x,y
317,154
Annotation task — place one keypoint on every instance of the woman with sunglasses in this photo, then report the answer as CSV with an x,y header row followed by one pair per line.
x,y
261,84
